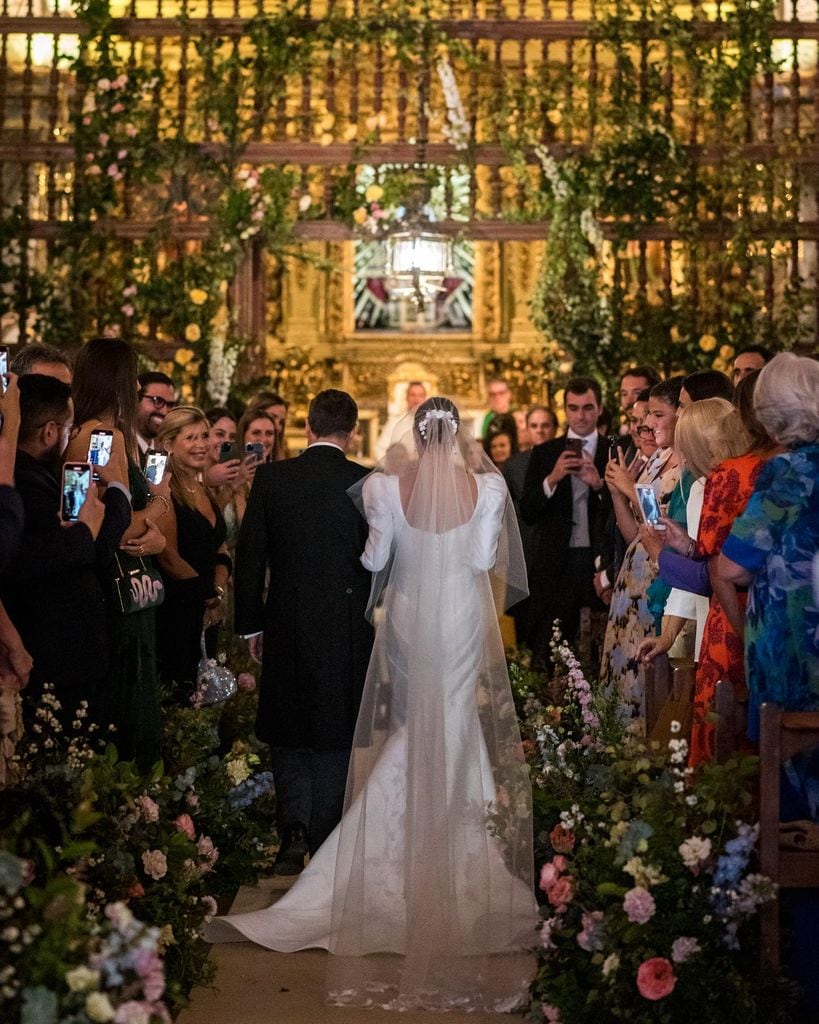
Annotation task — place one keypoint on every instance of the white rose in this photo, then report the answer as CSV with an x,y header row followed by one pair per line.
x,y
98,1007
80,979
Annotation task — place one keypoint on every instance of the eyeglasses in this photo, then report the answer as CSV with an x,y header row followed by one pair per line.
x,y
158,401
645,430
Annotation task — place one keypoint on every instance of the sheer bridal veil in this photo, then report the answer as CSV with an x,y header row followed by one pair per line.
x,y
433,894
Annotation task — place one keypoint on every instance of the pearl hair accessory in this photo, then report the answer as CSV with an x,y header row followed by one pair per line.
x,y
436,414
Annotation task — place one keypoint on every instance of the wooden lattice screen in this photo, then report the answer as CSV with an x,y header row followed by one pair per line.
x,y
381,112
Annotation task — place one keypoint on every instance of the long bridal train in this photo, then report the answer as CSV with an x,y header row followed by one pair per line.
x,y
423,894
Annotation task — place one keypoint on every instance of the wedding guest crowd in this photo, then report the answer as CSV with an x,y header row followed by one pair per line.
x,y
689,526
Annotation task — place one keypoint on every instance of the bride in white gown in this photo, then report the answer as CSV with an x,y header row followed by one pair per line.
x,y
424,894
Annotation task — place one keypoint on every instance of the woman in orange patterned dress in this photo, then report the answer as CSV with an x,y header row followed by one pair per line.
x,y
722,655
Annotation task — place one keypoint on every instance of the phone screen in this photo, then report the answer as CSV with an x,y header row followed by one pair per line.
x,y
100,447
155,467
649,505
76,481
4,369
228,451
254,451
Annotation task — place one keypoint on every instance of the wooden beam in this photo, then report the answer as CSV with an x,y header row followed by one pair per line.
x,y
468,28
486,231
313,154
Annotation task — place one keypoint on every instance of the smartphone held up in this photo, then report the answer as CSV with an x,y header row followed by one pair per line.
x,y
649,505
76,481
155,463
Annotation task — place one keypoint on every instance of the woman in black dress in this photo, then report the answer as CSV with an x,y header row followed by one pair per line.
x,y
195,564
105,398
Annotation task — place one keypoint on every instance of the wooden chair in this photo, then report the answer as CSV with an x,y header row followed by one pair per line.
x,y
671,700
732,721
657,689
783,734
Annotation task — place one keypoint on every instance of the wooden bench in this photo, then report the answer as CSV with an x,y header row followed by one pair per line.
x,y
783,734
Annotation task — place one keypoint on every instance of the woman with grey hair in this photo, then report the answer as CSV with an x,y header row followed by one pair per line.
x,y
771,545
771,549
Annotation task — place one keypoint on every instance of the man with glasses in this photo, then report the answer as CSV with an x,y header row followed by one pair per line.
x,y
157,396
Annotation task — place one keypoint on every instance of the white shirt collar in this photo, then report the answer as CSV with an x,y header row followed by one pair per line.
x,y
325,444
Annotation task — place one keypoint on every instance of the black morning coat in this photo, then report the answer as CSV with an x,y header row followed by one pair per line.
x,y
302,526
553,516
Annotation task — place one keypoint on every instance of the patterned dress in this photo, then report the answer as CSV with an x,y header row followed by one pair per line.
x,y
776,539
727,491
630,618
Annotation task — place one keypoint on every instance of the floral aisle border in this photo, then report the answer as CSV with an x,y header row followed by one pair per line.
x,y
646,881
107,876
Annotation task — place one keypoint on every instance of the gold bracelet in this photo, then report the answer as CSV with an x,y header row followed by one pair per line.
x,y
163,499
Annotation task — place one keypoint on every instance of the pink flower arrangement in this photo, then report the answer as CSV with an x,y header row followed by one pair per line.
x,y
684,948
638,904
148,808
559,888
155,864
656,978
246,682
184,823
562,839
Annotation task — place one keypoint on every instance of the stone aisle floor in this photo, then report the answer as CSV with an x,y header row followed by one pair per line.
x,y
257,986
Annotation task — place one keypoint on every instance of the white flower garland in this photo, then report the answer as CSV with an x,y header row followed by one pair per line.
x,y
221,364
457,130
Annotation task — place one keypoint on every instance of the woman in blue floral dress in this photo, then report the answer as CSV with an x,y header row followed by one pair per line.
x,y
772,545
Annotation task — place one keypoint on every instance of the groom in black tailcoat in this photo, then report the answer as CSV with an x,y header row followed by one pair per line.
x,y
309,632
562,498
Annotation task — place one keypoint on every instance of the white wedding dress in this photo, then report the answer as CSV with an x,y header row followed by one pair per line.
x,y
423,893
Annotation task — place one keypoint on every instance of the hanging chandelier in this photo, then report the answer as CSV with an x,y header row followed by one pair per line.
x,y
419,258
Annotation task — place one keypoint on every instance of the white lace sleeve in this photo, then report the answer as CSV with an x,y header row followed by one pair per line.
x,y
379,499
488,518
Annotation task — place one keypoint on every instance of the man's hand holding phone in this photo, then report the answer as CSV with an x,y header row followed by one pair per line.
x,y
569,462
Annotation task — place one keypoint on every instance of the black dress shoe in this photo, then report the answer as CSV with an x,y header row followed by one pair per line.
x,y
290,858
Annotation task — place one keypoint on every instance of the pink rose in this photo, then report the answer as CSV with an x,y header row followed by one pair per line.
x,y
191,799
560,862
210,906
135,890
127,309
551,1013
638,903
148,808
132,1012
548,876
117,108
155,864
560,893
246,682
656,978
562,839
103,138
151,971
184,823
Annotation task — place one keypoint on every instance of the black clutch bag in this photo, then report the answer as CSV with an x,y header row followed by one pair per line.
x,y
137,586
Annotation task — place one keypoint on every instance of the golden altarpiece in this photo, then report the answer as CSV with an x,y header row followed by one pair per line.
x,y
379,113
